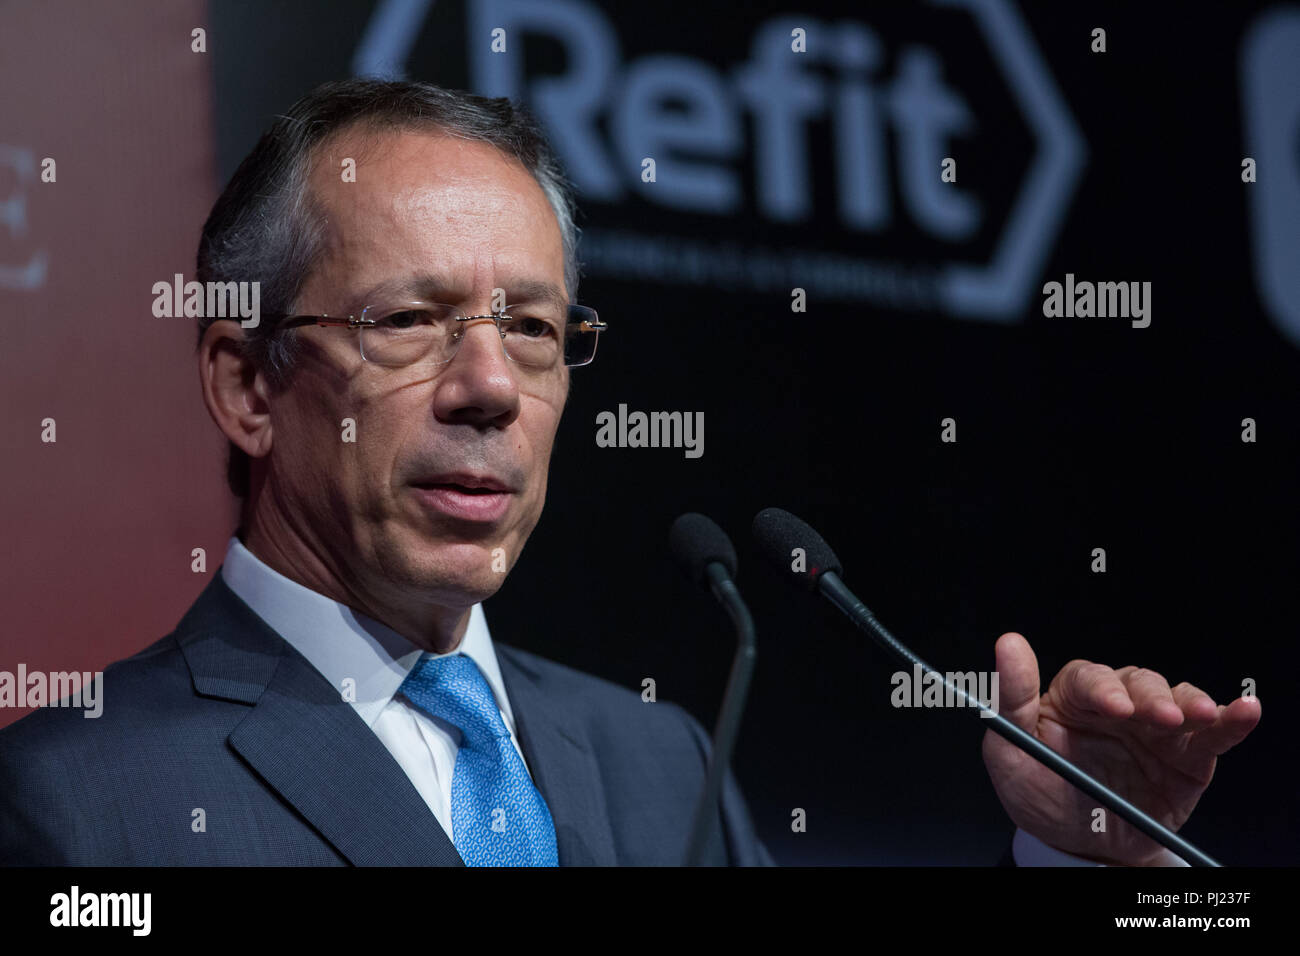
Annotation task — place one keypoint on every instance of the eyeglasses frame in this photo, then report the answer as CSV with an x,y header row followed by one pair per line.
x,y
354,322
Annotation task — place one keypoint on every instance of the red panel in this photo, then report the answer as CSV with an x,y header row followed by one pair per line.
x,y
98,526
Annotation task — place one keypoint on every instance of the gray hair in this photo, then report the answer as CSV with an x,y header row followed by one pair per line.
x,y
267,228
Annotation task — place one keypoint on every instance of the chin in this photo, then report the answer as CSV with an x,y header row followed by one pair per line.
x,y
454,575
443,562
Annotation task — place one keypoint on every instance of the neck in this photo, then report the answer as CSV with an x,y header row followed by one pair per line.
x,y
431,627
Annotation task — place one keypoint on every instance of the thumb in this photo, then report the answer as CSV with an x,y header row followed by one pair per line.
x,y
1017,670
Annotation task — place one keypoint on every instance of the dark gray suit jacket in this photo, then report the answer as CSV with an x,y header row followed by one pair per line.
x,y
226,716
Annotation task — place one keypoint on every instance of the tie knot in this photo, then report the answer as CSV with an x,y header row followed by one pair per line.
x,y
455,690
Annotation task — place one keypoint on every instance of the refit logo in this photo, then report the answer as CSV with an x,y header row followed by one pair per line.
x,y
606,113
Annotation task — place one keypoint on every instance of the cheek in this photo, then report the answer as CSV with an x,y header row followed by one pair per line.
x,y
304,435
540,440
386,424
539,418
325,432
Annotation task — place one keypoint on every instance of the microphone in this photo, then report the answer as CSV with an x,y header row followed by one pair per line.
x,y
708,558
778,533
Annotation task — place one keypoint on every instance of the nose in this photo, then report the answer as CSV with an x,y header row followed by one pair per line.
x,y
478,385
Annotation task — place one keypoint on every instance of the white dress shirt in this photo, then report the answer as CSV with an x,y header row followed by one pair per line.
x,y
342,644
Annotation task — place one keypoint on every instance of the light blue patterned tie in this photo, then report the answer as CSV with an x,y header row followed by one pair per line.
x,y
497,816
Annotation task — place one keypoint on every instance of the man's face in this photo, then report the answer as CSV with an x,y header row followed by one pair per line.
x,y
393,515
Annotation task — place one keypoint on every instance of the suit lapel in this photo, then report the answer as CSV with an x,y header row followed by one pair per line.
x,y
306,742
562,763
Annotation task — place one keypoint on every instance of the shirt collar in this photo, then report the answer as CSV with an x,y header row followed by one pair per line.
x,y
341,643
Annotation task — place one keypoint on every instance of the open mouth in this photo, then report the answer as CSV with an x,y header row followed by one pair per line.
x,y
453,486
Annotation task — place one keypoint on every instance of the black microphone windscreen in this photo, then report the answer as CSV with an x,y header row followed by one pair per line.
x,y
696,542
778,534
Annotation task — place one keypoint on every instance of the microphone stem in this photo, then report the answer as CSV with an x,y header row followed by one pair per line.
x,y
733,706
833,588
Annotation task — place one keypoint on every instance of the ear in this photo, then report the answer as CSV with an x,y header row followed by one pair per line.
x,y
236,393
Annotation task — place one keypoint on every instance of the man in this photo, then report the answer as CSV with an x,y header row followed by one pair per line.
x,y
334,695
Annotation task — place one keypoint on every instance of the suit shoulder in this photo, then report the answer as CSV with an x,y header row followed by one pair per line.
x,y
560,676
603,700
147,683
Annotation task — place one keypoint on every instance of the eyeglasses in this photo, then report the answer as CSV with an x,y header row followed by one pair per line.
x,y
538,336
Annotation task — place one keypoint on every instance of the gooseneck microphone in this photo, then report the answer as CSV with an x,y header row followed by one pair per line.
x,y
778,533
706,555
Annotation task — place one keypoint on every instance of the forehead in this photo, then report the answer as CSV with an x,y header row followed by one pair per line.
x,y
426,202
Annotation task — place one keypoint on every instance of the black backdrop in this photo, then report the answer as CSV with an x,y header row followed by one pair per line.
x,y
1072,434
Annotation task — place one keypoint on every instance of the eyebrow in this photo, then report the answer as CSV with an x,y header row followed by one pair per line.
x,y
431,287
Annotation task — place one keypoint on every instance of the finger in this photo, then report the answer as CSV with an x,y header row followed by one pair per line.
x,y
1234,722
1198,707
1085,688
1153,701
1017,669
